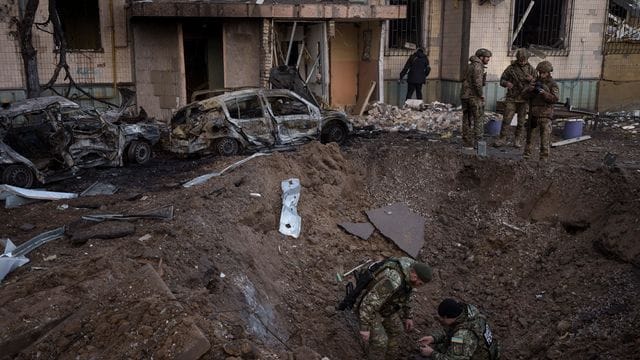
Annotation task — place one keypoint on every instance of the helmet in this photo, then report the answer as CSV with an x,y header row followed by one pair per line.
x,y
483,53
522,54
545,66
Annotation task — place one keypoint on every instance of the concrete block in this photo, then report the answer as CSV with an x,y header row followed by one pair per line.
x,y
338,11
358,12
389,12
283,11
310,11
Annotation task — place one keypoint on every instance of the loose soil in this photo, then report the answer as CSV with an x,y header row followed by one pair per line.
x,y
561,282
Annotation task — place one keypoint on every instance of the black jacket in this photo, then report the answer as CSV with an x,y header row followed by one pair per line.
x,y
418,68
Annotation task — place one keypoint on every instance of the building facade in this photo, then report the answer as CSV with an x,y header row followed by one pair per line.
x,y
348,52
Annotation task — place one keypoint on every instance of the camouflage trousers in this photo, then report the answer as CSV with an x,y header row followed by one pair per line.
x,y
543,127
384,341
512,108
472,120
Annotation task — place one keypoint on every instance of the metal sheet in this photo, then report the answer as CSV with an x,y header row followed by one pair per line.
x,y
361,230
290,221
37,194
99,188
204,178
400,225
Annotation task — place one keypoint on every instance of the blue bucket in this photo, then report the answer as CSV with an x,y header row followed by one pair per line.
x,y
572,128
493,127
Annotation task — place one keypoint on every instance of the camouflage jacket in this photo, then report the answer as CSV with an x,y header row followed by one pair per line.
x,y
517,75
388,293
470,338
474,79
541,105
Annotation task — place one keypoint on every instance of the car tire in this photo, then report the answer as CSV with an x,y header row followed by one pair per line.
x,y
18,175
334,132
139,152
227,147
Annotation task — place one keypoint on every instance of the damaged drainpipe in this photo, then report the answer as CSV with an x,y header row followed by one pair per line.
x,y
114,68
524,18
383,35
293,32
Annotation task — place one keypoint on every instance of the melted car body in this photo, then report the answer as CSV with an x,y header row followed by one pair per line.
x,y
50,138
253,119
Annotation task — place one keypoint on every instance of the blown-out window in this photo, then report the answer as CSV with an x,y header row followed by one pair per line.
x,y
407,30
543,25
623,27
80,24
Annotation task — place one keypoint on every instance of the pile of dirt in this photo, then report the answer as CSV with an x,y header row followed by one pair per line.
x,y
545,250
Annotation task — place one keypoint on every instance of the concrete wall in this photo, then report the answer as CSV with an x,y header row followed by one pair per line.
x,y
94,70
453,46
620,83
159,63
242,58
491,26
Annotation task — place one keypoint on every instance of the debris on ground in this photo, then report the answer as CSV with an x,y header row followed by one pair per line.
x,y
99,188
16,196
204,178
361,230
162,213
290,221
402,226
15,256
435,117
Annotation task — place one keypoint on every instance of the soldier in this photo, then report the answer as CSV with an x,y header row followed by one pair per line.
x,y
473,99
385,303
516,78
542,95
466,335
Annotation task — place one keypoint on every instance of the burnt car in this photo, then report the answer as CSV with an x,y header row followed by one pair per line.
x,y
251,120
51,138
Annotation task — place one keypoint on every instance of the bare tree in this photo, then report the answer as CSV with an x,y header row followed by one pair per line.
x,y
30,56
28,52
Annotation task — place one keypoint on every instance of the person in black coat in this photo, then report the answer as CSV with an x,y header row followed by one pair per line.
x,y
418,68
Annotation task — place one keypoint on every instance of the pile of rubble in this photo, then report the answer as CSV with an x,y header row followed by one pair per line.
x,y
625,120
415,115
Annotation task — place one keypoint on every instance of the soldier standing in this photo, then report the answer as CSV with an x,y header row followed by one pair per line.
x,y
385,305
473,98
516,78
542,95
466,335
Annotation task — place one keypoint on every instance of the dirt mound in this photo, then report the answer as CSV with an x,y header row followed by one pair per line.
x,y
516,238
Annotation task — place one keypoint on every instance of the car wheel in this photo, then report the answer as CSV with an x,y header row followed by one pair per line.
x,y
227,147
334,132
18,175
139,152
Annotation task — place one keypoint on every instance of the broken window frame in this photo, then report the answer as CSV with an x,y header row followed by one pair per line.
x,y
401,31
563,22
622,35
89,27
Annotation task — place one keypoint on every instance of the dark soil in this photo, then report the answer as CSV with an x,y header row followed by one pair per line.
x,y
219,275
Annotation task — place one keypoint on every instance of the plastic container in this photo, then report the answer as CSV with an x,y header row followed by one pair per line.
x,y
572,128
493,127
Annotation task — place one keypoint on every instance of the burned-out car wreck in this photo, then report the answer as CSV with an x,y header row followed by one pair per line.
x,y
253,120
51,138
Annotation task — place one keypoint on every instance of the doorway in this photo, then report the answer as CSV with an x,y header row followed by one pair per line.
x,y
203,56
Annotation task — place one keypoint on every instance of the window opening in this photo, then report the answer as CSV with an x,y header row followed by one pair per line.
x,y
623,27
245,108
546,26
407,30
80,24
284,105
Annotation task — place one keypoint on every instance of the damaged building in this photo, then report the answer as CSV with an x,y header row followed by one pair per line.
x,y
348,52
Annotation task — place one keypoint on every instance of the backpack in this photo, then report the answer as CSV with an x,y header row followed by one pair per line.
x,y
363,279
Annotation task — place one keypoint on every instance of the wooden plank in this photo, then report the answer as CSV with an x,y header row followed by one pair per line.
x,y
570,141
363,105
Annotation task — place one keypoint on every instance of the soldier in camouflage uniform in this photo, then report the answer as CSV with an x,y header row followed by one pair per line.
x,y
542,95
473,99
466,335
385,305
516,78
